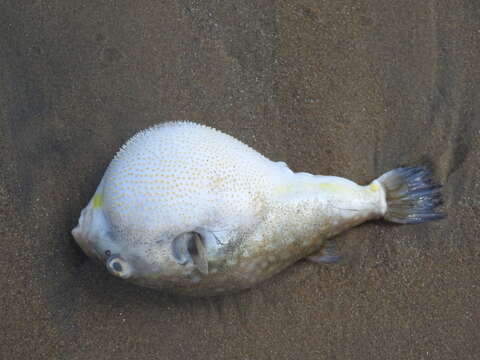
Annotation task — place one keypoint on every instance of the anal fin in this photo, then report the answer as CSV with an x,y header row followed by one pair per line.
x,y
327,254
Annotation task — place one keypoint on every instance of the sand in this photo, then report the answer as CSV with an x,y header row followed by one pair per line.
x,y
341,87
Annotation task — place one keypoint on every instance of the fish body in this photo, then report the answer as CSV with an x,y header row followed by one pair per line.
x,y
186,208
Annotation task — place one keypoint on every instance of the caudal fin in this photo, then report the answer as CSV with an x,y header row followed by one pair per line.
x,y
411,195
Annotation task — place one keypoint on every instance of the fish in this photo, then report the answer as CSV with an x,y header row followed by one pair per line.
x,y
187,209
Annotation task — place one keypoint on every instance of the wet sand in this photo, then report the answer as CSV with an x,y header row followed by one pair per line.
x,y
331,87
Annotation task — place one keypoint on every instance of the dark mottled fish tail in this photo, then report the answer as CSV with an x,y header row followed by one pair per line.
x,y
411,195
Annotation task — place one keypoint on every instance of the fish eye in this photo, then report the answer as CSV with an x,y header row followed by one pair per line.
x,y
117,266
108,253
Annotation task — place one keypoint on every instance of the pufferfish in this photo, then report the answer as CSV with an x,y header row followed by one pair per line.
x,y
185,208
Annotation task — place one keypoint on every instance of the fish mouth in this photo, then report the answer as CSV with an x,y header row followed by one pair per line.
x,y
84,243
85,235
76,232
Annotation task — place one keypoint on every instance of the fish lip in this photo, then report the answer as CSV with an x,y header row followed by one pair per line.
x,y
88,233
75,232
85,244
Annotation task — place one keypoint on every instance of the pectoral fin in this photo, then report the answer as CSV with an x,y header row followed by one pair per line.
x,y
200,259
189,247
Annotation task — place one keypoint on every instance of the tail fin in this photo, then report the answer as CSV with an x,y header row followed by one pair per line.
x,y
411,195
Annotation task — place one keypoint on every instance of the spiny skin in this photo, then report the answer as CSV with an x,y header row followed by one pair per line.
x,y
254,216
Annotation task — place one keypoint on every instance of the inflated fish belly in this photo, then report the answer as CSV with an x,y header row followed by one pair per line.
x,y
186,208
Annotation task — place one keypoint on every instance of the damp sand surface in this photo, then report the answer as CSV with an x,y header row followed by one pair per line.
x,y
330,87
